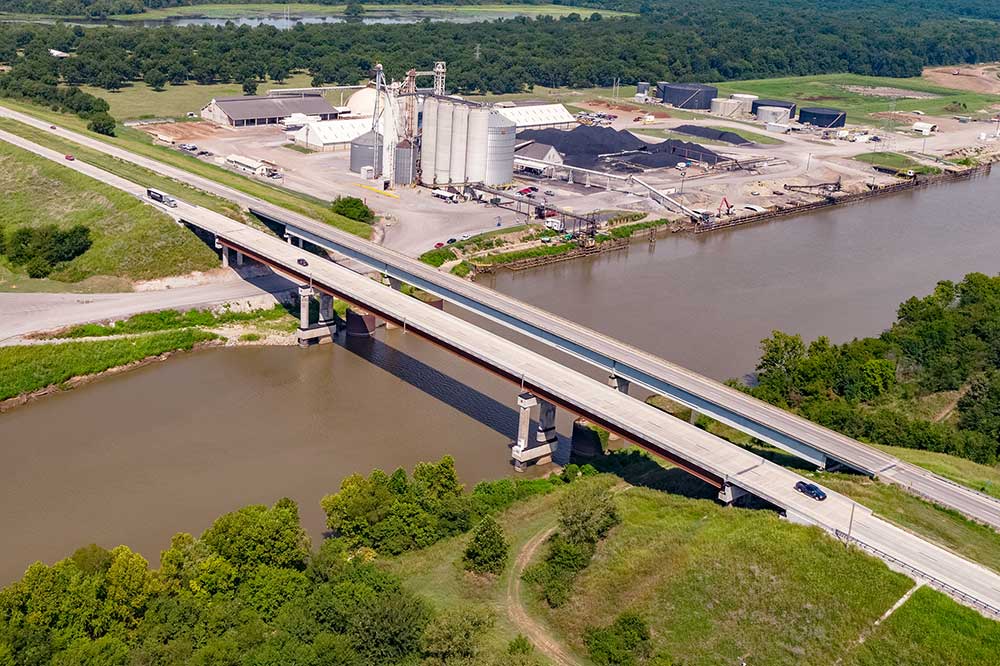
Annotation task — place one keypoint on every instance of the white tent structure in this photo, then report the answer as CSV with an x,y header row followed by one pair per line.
x,y
537,116
330,135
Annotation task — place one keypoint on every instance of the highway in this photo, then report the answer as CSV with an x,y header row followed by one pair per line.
x,y
766,422
712,458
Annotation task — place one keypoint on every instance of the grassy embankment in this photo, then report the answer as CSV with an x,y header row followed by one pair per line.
x,y
141,143
828,90
131,241
943,526
715,584
171,320
896,161
28,368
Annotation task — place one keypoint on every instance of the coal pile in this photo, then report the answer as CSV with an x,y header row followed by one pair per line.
x,y
713,134
605,148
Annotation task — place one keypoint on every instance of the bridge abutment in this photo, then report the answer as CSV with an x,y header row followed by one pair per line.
x,y
586,442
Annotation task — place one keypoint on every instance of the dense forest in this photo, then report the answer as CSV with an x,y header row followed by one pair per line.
x,y
748,40
948,341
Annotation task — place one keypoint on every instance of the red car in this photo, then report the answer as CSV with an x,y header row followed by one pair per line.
x,y
70,158
438,246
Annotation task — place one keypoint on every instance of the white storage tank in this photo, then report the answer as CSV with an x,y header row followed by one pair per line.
x,y
442,153
500,140
475,155
775,115
459,141
428,140
727,108
745,102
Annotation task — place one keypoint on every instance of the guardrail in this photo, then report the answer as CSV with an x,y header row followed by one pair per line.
x,y
934,582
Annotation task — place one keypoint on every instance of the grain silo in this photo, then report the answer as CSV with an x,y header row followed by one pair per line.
x,y
745,101
501,137
475,157
726,108
363,152
405,172
756,104
442,153
428,139
642,88
773,114
689,95
459,142
819,116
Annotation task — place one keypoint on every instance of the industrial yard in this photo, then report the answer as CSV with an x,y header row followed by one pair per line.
x,y
437,167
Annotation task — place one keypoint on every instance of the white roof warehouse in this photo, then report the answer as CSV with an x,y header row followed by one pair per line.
x,y
251,110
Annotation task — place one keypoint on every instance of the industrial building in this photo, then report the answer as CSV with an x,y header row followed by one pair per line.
x,y
328,135
777,103
465,142
819,116
252,110
249,165
687,95
536,115
537,158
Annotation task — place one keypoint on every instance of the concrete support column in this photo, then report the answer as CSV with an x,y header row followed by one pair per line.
x,y
225,257
619,383
305,295
239,258
525,402
586,443
325,308
288,239
570,178
607,186
396,284
546,433
693,419
730,493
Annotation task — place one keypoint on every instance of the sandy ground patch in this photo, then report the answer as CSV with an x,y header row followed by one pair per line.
x,y
886,91
184,131
974,78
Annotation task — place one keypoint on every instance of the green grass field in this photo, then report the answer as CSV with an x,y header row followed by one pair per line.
x,y
828,90
28,368
142,144
130,239
895,161
983,478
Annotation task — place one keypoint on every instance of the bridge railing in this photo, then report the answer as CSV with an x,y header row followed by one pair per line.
x,y
934,582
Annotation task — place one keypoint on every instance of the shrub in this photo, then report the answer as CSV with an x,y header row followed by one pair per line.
x,y
38,267
454,636
41,249
586,513
487,550
624,643
438,256
353,208
102,123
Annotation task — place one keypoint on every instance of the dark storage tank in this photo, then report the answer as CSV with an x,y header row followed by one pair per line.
x,y
819,116
689,95
773,102
363,152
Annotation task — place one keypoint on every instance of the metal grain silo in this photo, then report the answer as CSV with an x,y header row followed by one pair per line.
x,y
428,140
405,172
363,152
500,139
819,116
459,141
475,154
442,153
773,114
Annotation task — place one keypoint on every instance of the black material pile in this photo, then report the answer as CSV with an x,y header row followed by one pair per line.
x,y
582,147
713,134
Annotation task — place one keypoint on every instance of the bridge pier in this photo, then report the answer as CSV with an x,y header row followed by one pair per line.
x,y
239,258
545,436
693,419
305,297
730,494
586,443
619,383
360,324
326,316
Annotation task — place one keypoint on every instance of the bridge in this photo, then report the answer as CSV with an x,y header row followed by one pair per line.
x,y
538,379
791,433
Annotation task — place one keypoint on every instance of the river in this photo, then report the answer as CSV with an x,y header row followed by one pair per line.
x,y
139,456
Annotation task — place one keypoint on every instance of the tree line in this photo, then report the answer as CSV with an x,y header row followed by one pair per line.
x,y
946,341
709,41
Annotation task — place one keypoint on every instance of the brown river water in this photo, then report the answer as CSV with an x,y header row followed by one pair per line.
x,y
137,457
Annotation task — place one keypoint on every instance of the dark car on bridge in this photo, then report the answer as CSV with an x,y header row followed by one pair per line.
x,y
811,489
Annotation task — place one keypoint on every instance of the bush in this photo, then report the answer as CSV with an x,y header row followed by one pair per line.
x,y
41,249
38,267
488,549
453,636
353,208
438,257
586,513
624,643
102,123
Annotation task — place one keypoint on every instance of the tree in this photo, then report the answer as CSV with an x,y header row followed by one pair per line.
x,y
155,79
387,628
624,643
250,86
587,512
354,9
256,535
102,123
453,637
488,549
353,208
979,408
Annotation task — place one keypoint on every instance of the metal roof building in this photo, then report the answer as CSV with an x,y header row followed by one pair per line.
x,y
537,116
253,110
330,135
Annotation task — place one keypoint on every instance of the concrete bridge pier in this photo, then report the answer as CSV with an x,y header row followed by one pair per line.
x,y
586,443
239,258
693,419
619,383
305,298
326,316
541,452
730,494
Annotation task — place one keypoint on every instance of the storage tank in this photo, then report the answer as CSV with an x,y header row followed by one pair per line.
x,y
405,172
500,140
442,153
773,114
727,108
363,153
824,117
428,140
642,88
475,155
459,141
757,103
689,95
745,102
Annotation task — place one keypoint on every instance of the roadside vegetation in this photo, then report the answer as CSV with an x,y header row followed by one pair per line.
x,y
168,320
65,226
896,161
28,368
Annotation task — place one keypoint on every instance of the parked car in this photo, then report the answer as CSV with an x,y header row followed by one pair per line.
x,y
451,240
52,126
70,158
465,236
811,489
549,193
531,188
438,246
